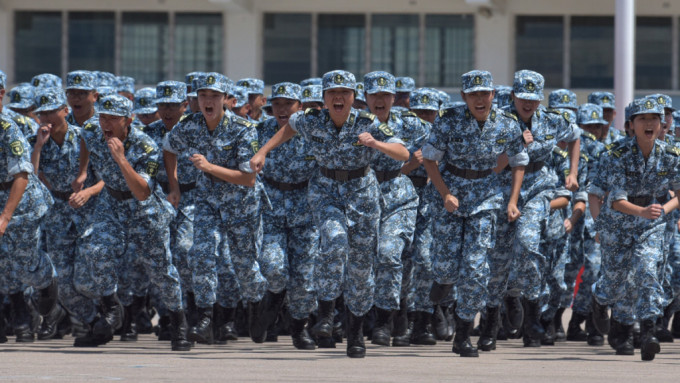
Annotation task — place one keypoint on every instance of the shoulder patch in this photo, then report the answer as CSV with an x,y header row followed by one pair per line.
x,y
147,148
21,120
243,122
5,124
408,113
152,168
17,148
511,115
589,135
674,150
255,145
386,130
584,157
89,127
367,115
560,152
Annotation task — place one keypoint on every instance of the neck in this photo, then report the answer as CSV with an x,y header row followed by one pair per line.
x,y
59,133
212,125
646,147
339,121
84,117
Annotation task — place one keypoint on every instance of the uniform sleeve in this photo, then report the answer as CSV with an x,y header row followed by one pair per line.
x,y
247,147
567,131
600,184
147,165
517,153
383,132
295,121
419,132
15,150
174,141
435,147
675,178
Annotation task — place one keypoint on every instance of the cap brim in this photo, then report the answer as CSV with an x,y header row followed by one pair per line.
x,y
78,87
48,107
529,96
478,89
168,100
379,90
145,111
16,105
335,86
215,88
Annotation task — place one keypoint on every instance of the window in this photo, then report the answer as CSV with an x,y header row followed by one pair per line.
x,y
144,48
37,44
287,47
540,47
198,43
91,41
449,49
341,42
394,44
592,52
653,53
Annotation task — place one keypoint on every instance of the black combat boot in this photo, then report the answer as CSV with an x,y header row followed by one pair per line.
x,y
3,336
178,324
574,331
355,336
620,338
461,340
269,309
90,339
675,325
21,321
164,332
662,333
600,316
532,320
47,298
202,332
301,338
440,291
489,329
595,337
143,318
50,323
560,335
422,333
443,330
514,313
548,325
649,343
131,312
383,327
324,324
111,316
223,324
402,326
257,332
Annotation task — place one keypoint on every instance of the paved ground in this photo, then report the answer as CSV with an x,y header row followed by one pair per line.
x,y
243,361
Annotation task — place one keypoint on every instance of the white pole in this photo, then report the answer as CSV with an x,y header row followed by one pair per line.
x,y
624,57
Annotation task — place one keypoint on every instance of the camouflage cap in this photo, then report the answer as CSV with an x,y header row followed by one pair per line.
x,y
646,105
358,92
46,80
664,100
106,91
443,97
81,79
212,81
477,81
528,85
562,98
589,114
424,99
452,105
676,119
21,97
628,110
503,95
286,90
339,79
311,81
252,85
115,105
604,99
171,92
105,78
145,101
125,84
229,84
47,99
379,81
312,93
190,77
568,114
241,95
405,84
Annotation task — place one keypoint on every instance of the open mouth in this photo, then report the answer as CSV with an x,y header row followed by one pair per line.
x,y
649,133
209,110
338,106
480,109
108,134
283,118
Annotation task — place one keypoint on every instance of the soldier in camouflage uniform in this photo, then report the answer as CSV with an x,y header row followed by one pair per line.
x,y
290,243
468,140
46,80
254,88
27,126
403,88
22,100
55,156
81,94
398,208
519,242
607,101
145,110
638,175
130,228
344,198
25,202
312,97
227,218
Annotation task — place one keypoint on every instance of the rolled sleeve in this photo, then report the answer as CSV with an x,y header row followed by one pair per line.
x,y
618,194
595,190
245,167
395,140
431,153
167,145
580,196
520,159
293,120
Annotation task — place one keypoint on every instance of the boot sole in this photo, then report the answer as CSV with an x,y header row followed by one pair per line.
x,y
356,352
649,351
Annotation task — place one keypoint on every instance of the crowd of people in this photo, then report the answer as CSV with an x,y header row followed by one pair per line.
x,y
337,210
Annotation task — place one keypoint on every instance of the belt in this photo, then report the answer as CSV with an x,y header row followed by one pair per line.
x,y
183,188
418,181
284,186
6,185
120,195
64,196
344,175
531,167
387,175
646,200
467,173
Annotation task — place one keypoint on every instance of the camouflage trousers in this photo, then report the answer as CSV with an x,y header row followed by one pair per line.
x,y
586,253
556,247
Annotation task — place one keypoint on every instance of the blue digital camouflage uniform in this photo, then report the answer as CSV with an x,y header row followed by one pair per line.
x,y
607,101
632,247
464,238
503,98
518,243
22,260
80,80
253,86
125,233
399,200
347,213
21,97
585,251
27,126
63,224
562,99
145,103
290,243
46,80
227,219
124,84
